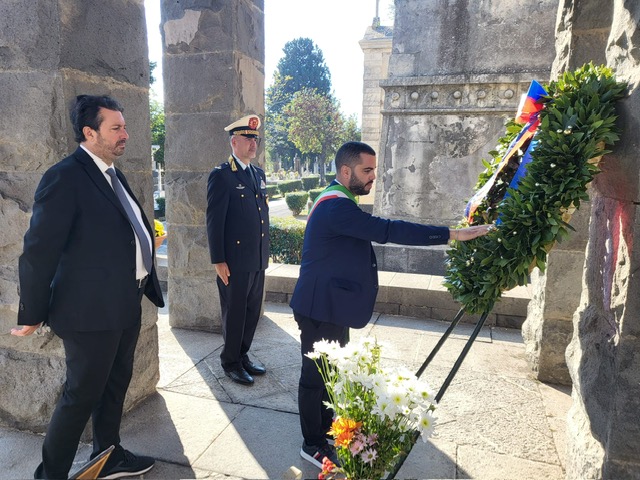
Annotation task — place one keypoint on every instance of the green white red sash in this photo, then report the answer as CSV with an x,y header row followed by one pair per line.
x,y
331,192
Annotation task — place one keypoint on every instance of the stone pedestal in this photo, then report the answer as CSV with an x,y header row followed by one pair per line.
x,y
456,73
213,67
51,52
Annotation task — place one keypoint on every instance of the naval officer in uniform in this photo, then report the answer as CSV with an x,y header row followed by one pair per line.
x,y
238,231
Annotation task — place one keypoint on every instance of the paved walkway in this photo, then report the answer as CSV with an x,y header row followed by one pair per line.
x,y
494,422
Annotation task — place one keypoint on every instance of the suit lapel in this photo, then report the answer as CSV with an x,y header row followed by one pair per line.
x,y
101,182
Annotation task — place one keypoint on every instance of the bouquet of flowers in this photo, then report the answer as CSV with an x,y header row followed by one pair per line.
x,y
376,409
159,228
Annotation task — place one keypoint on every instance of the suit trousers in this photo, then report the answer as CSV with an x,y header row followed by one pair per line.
x,y
241,304
315,417
99,370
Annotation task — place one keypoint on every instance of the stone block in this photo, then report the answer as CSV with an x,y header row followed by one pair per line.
x,y
20,187
198,84
233,26
188,246
189,149
31,384
194,302
28,112
387,308
187,197
93,50
28,51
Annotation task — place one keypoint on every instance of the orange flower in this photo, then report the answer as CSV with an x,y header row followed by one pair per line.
x,y
343,430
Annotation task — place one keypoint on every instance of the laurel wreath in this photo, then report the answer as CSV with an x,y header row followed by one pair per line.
x,y
577,124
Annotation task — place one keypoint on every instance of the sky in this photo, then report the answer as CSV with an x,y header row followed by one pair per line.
x,y
335,26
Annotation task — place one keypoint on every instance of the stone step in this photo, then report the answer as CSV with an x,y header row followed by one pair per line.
x,y
412,295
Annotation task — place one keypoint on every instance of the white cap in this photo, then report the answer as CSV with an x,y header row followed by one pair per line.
x,y
247,125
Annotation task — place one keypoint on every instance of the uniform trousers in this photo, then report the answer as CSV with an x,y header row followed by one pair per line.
x,y
315,417
241,304
99,369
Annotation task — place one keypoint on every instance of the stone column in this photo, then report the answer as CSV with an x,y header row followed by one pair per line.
x,y
376,46
456,72
51,52
213,64
604,426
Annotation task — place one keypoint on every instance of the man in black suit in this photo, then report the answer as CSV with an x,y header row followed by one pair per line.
x,y
87,262
238,231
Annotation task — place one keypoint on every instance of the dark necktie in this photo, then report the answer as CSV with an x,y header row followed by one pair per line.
x,y
252,178
137,227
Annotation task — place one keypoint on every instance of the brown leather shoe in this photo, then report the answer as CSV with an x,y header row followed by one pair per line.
x,y
239,375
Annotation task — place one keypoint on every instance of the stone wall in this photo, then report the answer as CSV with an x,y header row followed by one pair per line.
x,y
51,52
456,73
603,426
213,67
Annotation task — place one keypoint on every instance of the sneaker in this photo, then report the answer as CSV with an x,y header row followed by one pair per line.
x,y
129,465
315,455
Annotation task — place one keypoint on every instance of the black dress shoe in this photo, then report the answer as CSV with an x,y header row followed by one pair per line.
x,y
239,375
253,368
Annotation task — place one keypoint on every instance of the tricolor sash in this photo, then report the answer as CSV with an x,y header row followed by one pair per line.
x,y
331,192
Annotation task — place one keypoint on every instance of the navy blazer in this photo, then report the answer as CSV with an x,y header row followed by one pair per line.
x,y
78,267
338,280
238,218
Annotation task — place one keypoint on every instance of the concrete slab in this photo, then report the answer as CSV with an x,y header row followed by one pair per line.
x,y
494,421
177,428
487,465
268,443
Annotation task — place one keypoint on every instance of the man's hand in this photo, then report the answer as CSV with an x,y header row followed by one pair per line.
x,y
469,233
25,330
222,269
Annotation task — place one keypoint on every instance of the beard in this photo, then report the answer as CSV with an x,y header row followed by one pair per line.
x,y
357,187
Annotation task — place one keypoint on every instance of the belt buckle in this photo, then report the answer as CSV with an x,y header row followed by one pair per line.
x,y
141,281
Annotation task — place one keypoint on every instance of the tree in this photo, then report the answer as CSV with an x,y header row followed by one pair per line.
x,y
351,132
302,66
156,110
315,125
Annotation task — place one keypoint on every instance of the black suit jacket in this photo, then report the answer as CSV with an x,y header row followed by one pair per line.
x,y
238,218
78,267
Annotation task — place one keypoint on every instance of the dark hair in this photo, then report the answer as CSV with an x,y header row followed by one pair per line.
x,y
349,154
85,112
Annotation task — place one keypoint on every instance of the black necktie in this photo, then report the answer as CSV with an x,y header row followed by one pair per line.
x,y
252,178
137,227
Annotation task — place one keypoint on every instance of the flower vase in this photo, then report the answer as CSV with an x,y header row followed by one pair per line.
x,y
158,240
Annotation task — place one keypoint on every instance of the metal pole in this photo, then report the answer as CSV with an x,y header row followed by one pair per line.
x,y
445,385
444,337
462,356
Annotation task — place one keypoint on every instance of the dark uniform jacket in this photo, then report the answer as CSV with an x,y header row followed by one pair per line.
x,y
338,280
78,267
238,218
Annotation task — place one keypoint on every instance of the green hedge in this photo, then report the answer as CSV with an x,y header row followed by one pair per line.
x,y
272,191
286,236
161,211
296,201
313,194
290,186
312,181
330,177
